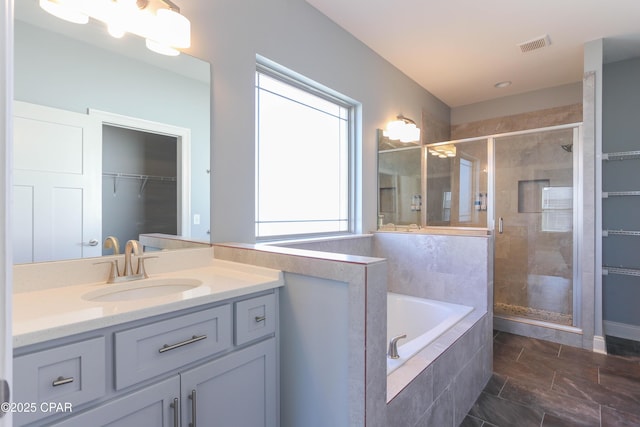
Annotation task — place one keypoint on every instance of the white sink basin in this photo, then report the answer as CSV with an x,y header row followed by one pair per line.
x,y
135,290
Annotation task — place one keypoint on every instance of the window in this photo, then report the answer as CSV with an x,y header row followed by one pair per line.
x,y
303,146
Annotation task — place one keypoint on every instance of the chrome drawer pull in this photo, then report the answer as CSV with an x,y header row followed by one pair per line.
x,y
194,409
62,381
260,319
193,339
176,414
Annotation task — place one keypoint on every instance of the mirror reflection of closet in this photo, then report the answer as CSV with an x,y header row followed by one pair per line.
x,y
139,188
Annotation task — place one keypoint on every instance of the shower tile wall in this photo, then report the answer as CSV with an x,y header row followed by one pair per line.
x,y
532,120
434,130
535,293
533,264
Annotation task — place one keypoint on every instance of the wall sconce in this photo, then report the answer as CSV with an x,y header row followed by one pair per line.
x,y
157,21
443,151
403,129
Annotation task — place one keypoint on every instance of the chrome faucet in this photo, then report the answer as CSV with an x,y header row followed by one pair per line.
x,y
392,353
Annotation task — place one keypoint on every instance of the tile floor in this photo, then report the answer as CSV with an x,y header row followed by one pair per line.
x,y
544,384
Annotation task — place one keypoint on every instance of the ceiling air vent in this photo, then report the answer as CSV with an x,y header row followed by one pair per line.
x,y
537,43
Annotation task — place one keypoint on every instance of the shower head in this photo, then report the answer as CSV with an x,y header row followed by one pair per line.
x,y
567,147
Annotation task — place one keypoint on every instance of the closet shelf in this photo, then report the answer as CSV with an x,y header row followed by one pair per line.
x,y
618,270
607,194
606,233
138,176
621,155
143,178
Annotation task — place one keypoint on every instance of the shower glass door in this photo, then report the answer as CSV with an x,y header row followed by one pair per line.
x,y
534,243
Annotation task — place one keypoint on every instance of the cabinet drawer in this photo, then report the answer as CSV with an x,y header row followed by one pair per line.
x,y
144,352
70,374
255,318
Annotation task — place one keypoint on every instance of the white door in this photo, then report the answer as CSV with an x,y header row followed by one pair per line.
x,y
57,184
6,85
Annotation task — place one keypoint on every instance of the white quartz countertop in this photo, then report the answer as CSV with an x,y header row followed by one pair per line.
x,y
41,315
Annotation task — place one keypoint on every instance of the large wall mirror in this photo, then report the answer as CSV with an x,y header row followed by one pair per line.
x,y
399,183
110,139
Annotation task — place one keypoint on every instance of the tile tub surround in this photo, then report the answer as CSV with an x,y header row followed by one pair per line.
x,y
443,393
360,244
428,264
451,268
367,291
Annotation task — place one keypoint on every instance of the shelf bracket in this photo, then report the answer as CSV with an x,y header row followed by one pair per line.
x,y
142,185
115,185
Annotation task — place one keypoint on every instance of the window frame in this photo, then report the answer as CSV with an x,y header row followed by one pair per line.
x,y
300,82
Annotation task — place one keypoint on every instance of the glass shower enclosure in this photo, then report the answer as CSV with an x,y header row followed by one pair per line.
x,y
522,186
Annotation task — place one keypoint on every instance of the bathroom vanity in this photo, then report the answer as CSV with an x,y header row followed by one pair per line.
x,y
183,359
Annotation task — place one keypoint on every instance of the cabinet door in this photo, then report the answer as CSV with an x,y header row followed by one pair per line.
x,y
238,390
149,407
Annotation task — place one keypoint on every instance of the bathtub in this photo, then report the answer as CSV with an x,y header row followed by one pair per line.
x,y
422,320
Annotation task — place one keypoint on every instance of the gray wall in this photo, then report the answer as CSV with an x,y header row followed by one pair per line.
x,y
229,34
620,130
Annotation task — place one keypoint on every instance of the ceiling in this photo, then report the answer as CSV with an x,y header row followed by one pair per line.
x,y
458,49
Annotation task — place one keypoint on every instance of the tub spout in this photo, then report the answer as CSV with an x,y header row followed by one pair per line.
x,y
393,347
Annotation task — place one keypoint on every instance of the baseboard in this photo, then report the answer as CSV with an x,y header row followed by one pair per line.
x,y
621,330
599,345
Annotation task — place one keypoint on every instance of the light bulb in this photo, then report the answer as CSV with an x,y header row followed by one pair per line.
x,y
116,30
394,130
174,29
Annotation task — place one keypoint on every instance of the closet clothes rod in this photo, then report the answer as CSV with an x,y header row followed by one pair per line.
x,y
606,233
138,176
621,155
143,178
619,270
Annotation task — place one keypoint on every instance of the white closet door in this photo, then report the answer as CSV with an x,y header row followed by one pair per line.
x,y
57,184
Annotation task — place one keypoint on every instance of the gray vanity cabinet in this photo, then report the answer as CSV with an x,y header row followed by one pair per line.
x,y
153,406
236,390
214,367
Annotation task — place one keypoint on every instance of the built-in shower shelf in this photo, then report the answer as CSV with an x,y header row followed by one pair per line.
x,y
622,155
606,233
607,194
618,270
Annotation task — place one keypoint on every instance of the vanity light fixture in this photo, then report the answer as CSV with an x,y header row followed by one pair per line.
x,y
443,151
157,21
402,129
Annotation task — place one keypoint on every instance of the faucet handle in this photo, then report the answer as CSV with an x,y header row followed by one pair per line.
x,y
114,271
141,270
